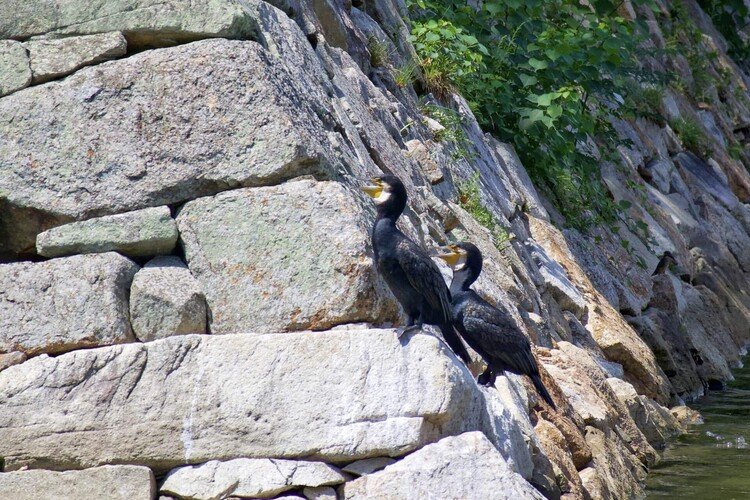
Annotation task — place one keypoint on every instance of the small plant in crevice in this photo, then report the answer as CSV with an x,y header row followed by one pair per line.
x,y
405,74
645,101
379,51
469,199
692,136
452,132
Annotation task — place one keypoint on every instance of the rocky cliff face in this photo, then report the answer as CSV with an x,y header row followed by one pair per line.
x,y
253,361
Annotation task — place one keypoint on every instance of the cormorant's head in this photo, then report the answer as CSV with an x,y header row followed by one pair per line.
x,y
389,194
463,256
668,256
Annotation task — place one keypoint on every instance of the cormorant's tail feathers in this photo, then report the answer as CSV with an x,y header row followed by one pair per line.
x,y
454,341
537,380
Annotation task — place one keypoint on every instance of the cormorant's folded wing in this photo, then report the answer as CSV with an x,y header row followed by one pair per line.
x,y
424,275
499,337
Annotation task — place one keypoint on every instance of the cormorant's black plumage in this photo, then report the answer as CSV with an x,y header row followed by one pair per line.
x,y
667,259
410,273
488,330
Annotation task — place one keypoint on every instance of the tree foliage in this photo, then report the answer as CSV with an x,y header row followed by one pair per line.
x,y
544,75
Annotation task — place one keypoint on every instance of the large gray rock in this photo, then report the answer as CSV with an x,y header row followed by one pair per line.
x,y
157,128
556,279
166,300
701,178
336,396
140,233
465,466
125,482
178,20
55,58
248,477
66,303
288,257
15,72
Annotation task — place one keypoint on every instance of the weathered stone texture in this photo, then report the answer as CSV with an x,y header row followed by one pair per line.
x,y
56,58
166,300
160,127
115,482
63,304
465,466
179,19
339,395
248,478
140,233
15,72
288,257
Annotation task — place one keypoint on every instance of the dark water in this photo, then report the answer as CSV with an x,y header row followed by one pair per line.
x,y
713,460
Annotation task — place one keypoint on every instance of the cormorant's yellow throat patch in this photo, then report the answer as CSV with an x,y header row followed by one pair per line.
x,y
373,190
450,254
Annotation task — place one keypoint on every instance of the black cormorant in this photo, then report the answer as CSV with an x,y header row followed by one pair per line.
x,y
488,330
667,260
410,273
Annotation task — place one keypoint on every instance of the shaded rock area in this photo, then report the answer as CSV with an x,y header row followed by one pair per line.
x,y
221,145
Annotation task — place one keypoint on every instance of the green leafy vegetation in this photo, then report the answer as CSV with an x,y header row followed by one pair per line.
x,y
469,200
542,75
453,131
730,17
684,37
645,101
692,136
405,74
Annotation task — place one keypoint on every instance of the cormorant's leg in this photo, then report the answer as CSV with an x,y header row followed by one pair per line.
x,y
411,325
487,378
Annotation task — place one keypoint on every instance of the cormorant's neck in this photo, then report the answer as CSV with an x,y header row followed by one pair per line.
x,y
390,212
463,279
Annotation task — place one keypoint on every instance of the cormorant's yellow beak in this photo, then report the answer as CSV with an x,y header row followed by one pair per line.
x,y
373,190
450,254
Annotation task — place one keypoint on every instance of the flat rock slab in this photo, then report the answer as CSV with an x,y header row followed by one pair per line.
x,y
176,19
368,465
125,482
320,493
140,233
248,477
157,128
56,58
67,303
465,466
15,72
281,258
336,396
166,300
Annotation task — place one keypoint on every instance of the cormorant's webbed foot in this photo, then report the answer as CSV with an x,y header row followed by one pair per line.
x,y
403,331
487,378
